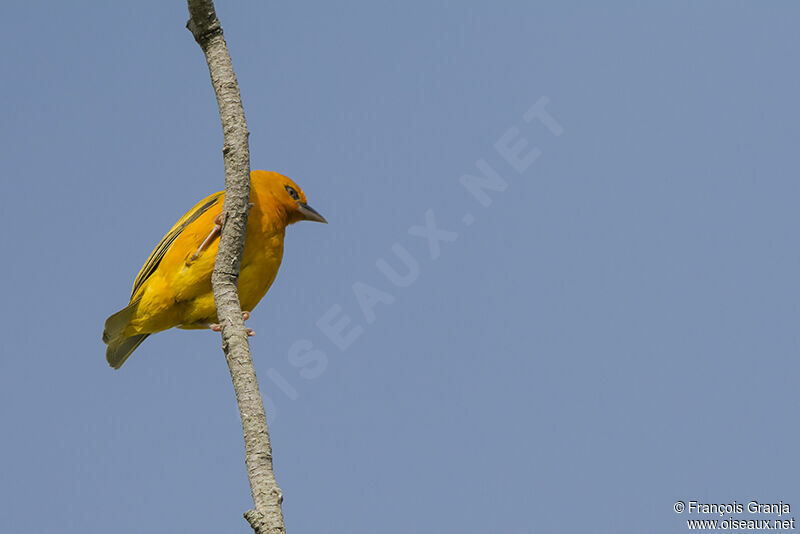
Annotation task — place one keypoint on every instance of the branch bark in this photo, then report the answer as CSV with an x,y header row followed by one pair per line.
x,y
266,516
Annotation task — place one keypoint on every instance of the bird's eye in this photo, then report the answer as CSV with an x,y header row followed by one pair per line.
x,y
292,192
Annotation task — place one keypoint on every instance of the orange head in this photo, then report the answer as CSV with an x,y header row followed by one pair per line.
x,y
284,195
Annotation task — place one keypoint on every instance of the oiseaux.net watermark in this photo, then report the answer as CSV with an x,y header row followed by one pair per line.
x,y
341,329
750,515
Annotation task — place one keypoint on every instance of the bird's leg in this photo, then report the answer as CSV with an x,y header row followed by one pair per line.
x,y
210,237
213,234
216,327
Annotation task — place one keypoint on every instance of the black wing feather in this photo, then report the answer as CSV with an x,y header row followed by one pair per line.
x,y
157,255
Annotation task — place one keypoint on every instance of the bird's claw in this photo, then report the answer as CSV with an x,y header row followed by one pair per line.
x,y
216,327
250,331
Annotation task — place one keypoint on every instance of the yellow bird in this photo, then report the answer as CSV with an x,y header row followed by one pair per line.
x,y
174,286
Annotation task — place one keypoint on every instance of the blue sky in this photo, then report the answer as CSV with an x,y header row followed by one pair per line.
x,y
615,331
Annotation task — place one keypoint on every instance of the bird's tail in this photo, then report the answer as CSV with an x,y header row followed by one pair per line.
x,y
118,352
119,346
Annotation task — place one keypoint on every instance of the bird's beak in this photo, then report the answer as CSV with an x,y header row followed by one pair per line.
x,y
310,214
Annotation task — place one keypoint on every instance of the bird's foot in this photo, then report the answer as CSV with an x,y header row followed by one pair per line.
x,y
216,327
250,331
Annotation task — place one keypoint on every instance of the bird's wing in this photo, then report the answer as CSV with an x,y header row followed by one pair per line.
x,y
158,254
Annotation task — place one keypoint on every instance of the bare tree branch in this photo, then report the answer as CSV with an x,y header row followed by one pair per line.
x,y
267,516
